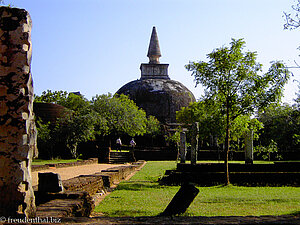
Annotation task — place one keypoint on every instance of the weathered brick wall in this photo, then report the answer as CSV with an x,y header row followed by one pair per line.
x,y
17,128
89,183
61,165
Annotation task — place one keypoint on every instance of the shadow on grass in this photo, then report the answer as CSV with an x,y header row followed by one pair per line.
x,y
245,200
137,186
295,213
125,213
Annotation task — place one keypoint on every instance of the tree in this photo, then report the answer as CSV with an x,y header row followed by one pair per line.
x,y
84,120
212,122
75,102
208,114
231,78
282,125
122,115
51,96
292,21
152,126
75,127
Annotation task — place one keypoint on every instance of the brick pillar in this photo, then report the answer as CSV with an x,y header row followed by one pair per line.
x,y
17,127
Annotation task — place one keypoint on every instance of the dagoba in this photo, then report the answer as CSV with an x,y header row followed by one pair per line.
x,y
155,92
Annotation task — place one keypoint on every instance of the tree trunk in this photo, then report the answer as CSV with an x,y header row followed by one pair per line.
x,y
227,144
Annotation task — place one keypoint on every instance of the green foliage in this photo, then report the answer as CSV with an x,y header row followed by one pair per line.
x,y
83,120
212,122
122,116
51,96
75,102
266,152
174,138
231,79
152,126
45,138
53,161
209,115
281,124
242,124
73,129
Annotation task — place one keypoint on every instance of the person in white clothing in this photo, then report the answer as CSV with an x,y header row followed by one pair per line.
x,y
119,144
132,143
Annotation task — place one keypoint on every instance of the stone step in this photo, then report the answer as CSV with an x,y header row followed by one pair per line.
x,y
120,157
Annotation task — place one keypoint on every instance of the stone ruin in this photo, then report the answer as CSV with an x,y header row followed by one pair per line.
x,y
17,127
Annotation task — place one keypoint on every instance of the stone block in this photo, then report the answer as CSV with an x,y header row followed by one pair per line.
x,y
50,182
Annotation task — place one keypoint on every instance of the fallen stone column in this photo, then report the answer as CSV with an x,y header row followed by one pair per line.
x,y
17,127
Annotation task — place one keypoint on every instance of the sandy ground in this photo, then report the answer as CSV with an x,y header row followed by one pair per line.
x,y
70,172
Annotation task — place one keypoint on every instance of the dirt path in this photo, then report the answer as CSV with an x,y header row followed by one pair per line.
x,y
217,220
74,171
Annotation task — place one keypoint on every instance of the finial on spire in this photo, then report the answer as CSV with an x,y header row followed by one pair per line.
x,y
154,50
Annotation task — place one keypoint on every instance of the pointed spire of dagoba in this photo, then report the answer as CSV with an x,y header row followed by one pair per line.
x,y
153,69
154,50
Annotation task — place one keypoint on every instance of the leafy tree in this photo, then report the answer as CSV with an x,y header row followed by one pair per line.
x,y
75,127
51,96
84,119
231,78
282,125
44,138
266,152
152,126
121,114
212,122
292,20
75,102
209,116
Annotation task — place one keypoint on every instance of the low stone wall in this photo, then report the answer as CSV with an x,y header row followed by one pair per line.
x,y
208,174
77,200
89,183
100,181
61,165
69,204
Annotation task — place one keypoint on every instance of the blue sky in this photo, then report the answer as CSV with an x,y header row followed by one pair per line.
x,y
96,46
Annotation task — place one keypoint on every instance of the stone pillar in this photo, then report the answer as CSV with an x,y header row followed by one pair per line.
x,y
249,147
182,147
17,127
194,142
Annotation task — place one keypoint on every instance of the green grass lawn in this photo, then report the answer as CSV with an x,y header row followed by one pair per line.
x,y
53,161
143,196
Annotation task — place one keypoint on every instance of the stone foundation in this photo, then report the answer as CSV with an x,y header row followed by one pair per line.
x,y
61,165
210,174
78,199
17,128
